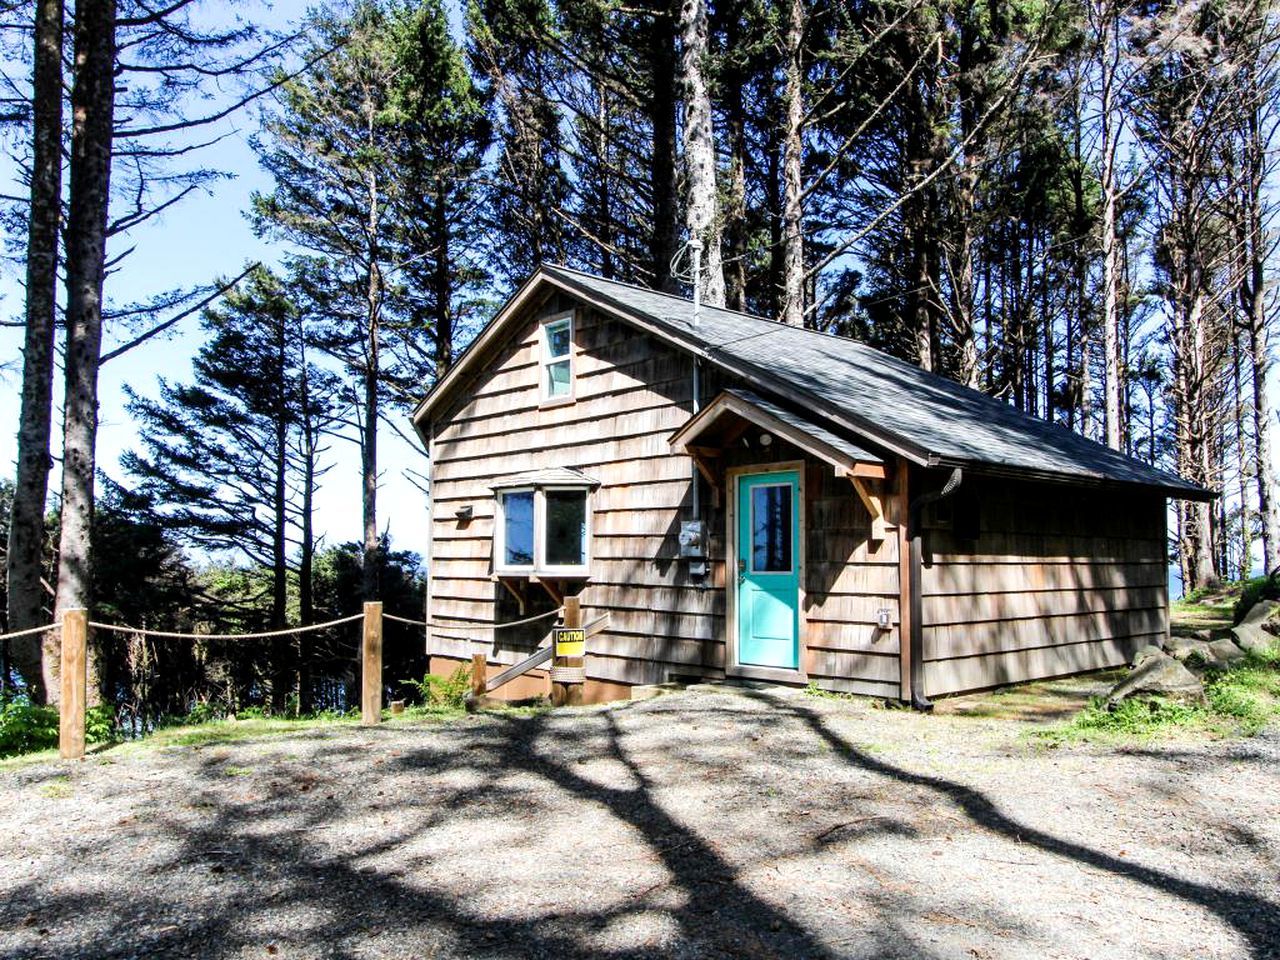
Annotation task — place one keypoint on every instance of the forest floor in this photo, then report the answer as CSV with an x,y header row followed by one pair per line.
x,y
712,822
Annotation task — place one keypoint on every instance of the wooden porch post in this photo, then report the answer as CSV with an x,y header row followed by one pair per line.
x,y
568,694
75,639
371,700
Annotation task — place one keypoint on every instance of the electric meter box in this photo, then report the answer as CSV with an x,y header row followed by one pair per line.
x,y
693,540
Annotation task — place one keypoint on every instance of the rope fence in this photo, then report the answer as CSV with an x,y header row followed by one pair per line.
x,y
75,626
30,630
478,627
261,635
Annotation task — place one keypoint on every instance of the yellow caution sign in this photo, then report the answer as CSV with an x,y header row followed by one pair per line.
x,y
570,642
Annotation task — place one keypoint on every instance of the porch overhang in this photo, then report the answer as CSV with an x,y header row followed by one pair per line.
x,y
726,418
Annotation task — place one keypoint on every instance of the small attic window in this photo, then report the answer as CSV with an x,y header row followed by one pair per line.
x,y
557,358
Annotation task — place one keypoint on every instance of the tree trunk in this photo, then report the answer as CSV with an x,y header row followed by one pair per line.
x,y
92,108
369,429
1108,63
792,311
443,332
24,559
306,601
702,209
280,644
1242,457
662,171
1254,306
735,207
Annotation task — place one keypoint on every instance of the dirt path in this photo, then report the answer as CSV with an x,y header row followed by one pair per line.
x,y
711,823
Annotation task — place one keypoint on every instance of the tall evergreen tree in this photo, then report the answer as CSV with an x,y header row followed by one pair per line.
x,y
25,557
224,456
446,131
331,148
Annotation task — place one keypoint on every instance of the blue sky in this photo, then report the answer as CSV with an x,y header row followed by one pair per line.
x,y
205,236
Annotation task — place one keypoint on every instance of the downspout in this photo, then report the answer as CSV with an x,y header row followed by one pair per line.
x,y
695,245
697,406
918,699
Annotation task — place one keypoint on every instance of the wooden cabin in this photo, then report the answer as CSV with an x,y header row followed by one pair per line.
x,y
747,499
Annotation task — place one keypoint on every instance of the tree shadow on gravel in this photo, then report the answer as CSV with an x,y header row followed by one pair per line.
x,y
1257,919
246,854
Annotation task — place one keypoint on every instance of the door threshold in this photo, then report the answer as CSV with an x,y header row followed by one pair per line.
x,y
769,674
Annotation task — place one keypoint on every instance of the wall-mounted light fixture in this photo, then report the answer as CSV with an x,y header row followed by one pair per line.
x,y
464,513
766,439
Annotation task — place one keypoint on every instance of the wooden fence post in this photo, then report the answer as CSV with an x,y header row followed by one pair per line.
x,y
568,694
75,638
479,680
371,701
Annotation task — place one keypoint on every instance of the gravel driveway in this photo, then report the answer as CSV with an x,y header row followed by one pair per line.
x,y
709,823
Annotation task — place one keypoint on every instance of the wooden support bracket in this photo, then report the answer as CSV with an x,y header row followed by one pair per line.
x,y
511,589
874,503
707,460
552,592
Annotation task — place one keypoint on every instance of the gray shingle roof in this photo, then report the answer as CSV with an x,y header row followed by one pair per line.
x,y
927,417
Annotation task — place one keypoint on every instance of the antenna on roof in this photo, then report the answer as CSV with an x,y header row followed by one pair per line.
x,y
694,246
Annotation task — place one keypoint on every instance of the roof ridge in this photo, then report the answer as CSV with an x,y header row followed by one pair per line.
x,y
737,313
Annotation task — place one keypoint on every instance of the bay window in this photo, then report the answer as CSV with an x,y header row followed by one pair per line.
x,y
542,530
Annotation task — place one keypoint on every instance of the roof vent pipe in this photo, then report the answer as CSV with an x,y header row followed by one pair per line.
x,y
695,245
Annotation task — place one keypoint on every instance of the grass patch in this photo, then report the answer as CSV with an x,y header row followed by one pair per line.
x,y
58,788
1191,615
1240,699
813,690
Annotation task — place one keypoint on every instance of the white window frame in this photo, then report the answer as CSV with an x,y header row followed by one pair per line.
x,y
545,360
539,567
789,485
500,532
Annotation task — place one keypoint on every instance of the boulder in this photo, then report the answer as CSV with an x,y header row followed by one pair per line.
x,y
1188,648
1157,674
1260,613
1253,638
1224,651
1252,634
1145,654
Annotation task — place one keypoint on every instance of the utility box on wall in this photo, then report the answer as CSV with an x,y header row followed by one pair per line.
x,y
693,540
693,546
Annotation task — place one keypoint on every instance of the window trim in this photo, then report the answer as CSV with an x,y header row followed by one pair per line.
x,y
545,360
540,567
540,527
789,486
500,532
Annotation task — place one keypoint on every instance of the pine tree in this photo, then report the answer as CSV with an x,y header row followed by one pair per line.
x,y
223,455
446,131
332,147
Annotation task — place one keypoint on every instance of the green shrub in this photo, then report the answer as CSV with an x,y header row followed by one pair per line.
x,y
1134,717
204,712
1258,588
447,692
25,728
100,724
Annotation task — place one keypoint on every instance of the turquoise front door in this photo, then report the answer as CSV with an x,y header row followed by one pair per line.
x,y
768,567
